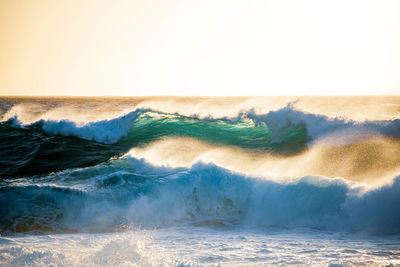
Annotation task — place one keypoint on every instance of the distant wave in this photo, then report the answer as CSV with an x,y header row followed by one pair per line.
x,y
129,193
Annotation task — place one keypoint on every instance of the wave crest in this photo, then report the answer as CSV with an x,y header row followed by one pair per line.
x,y
132,193
281,124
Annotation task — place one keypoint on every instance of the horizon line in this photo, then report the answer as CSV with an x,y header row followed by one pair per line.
x,y
194,96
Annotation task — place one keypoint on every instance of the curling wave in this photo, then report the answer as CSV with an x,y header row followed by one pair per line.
x,y
56,145
278,125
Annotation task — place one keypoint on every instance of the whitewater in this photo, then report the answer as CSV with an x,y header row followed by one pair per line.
x,y
200,181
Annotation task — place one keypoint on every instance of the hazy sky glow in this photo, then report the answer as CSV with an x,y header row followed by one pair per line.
x,y
173,47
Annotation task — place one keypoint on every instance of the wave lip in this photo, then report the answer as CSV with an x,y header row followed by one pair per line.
x,y
318,126
281,126
105,131
127,192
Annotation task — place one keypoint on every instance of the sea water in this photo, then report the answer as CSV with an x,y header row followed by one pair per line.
x,y
178,181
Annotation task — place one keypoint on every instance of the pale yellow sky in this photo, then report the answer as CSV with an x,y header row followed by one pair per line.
x,y
282,47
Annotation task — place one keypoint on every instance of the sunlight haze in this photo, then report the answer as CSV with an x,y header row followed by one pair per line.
x,y
129,48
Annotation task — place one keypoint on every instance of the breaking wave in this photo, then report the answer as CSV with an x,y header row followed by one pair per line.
x,y
62,144
128,193
275,126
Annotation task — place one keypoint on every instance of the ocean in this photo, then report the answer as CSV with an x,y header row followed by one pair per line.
x,y
200,181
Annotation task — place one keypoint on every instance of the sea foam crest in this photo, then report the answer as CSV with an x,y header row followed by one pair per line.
x,y
208,194
104,131
134,193
317,126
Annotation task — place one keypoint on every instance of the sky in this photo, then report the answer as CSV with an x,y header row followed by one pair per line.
x,y
207,47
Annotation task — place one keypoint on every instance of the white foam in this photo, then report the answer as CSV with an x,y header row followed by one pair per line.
x,y
106,131
317,126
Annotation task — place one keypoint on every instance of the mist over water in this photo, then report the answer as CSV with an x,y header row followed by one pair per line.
x,y
141,177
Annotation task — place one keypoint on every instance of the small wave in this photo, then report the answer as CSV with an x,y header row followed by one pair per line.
x,y
30,151
104,131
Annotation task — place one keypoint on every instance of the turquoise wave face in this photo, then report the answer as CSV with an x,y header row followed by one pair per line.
x,y
244,133
32,151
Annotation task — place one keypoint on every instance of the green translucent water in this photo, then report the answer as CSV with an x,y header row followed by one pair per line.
x,y
244,133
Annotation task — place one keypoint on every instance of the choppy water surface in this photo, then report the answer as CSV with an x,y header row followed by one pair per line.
x,y
200,181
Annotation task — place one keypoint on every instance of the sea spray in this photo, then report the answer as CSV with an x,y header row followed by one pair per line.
x,y
180,181
116,195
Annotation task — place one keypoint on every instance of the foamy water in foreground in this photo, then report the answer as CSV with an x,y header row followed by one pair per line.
x,y
200,181
200,246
